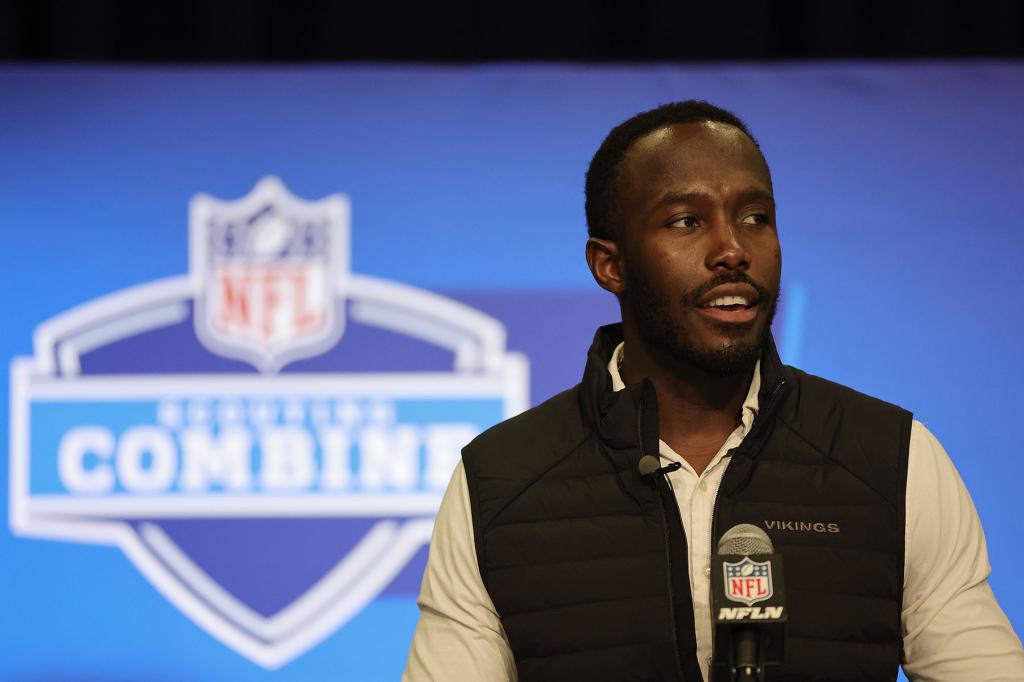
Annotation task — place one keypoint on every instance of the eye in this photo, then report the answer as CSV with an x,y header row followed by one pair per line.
x,y
757,219
686,222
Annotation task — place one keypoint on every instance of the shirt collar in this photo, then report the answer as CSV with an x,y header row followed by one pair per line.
x,y
747,412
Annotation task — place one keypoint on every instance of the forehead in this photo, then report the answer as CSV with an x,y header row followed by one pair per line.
x,y
701,153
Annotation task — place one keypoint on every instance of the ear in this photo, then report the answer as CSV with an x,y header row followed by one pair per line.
x,y
605,261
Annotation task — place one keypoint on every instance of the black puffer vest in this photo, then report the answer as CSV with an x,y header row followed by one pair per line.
x,y
586,560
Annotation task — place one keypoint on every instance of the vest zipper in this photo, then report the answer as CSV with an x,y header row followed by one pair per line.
x,y
754,429
668,546
668,580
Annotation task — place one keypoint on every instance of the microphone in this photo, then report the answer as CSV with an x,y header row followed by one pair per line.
x,y
748,604
648,465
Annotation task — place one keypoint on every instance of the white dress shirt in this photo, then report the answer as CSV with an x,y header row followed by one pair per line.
x,y
953,629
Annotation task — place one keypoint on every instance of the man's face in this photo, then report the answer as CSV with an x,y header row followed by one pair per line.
x,y
699,246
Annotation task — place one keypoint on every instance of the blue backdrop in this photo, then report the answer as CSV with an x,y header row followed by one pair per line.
x,y
898,188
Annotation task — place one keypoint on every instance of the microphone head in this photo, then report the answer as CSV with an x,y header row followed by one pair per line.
x,y
648,464
745,539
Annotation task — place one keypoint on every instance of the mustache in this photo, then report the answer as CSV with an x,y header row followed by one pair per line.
x,y
735,277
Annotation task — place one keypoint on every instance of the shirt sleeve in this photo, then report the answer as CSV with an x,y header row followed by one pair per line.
x,y
953,629
459,636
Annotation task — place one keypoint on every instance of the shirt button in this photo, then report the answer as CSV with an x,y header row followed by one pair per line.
x,y
703,485
707,571
709,661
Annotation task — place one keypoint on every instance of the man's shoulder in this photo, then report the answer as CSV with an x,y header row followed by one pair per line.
x,y
820,410
816,390
510,457
548,430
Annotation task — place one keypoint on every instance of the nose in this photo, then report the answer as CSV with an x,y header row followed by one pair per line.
x,y
726,250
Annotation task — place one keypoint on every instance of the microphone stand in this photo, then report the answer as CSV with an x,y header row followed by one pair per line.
x,y
748,661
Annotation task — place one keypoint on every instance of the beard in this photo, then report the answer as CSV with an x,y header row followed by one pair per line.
x,y
664,333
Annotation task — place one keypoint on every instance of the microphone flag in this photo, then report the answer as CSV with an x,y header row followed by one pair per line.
x,y
747,594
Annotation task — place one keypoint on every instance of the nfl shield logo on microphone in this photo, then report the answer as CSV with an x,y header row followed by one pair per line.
x,y
748,581
266,438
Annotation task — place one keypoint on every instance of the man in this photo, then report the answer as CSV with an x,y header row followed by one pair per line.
x,y
555,558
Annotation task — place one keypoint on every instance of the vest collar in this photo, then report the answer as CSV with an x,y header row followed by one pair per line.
x,y
614,414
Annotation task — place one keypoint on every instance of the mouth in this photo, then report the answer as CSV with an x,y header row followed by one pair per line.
x,y
730,309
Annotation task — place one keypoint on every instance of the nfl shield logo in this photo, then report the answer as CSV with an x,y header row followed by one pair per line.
x,y
265,270
748,581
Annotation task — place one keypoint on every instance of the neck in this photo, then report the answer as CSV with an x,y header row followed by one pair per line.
x,y
697,410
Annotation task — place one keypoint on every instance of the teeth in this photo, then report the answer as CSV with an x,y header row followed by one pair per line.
x,y
728,300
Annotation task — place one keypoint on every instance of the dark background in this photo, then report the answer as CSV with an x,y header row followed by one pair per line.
x,y
471,31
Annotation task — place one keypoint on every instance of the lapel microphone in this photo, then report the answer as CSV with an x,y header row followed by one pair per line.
x,y
650,466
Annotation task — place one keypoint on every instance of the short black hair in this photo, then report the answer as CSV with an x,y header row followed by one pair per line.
x,y
603,172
